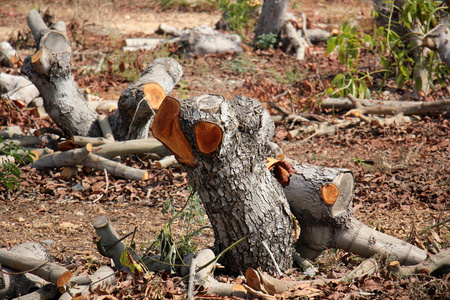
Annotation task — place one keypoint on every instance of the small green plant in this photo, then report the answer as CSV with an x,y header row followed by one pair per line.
x,y
183,89
9,171
190,215
361,162
239,14
238,65
266,41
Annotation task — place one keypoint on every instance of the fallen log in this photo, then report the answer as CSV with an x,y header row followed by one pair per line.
x,y
321,200
85,157
432,264
144,146
51,272
364,106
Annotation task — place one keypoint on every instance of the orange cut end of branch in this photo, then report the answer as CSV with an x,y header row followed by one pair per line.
x,y
208,136
154,94
167,129
329,193
36,57
64,278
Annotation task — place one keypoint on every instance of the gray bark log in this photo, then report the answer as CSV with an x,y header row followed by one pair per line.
x,y
50,71
132,118
240,195
272,17
51,74
326,226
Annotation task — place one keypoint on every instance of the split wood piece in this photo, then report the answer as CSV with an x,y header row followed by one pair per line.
x,y
85,157
50,71
104,276
110,241
106,128
144,146
139,100
49,271
69,172
49,130
166,162
326,226
18,89
433,263
233,181
167,129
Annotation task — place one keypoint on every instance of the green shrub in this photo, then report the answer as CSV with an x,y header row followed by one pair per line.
x,y
9,170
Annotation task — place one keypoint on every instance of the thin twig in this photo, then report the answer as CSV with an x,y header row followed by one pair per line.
x,y
191,284
134,117
273,259
434,226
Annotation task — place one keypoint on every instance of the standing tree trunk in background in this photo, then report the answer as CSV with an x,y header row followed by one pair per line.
x,y
272,18
222,144
50,71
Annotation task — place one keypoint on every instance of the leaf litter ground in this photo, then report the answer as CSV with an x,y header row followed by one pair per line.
x,y
402,173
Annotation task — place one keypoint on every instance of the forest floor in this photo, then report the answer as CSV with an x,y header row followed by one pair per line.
x,y
402,173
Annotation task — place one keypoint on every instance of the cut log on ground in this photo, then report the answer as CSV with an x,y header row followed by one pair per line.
x,y
222,144
51,272
321,200
85,157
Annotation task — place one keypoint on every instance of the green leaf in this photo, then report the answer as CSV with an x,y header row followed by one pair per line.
x,y
331,44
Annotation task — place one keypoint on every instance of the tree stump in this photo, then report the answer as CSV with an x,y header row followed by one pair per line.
x,y
222,146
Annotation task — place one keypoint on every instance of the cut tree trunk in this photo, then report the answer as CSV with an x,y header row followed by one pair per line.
x,y
272,18
50,71
321,200
222,145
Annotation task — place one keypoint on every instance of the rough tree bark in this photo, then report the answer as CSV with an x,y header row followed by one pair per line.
x,y
272,17
50,71
222,145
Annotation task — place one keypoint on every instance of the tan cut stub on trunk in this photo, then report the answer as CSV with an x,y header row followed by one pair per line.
x,y
208,136
154,94
329,193
167,129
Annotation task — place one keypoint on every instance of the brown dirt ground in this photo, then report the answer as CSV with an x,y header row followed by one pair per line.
x,y
402,188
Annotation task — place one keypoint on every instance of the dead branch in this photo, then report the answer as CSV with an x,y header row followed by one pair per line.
x,y
85,157
110,241
431,264
144,146
48,291
388,107
166,162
